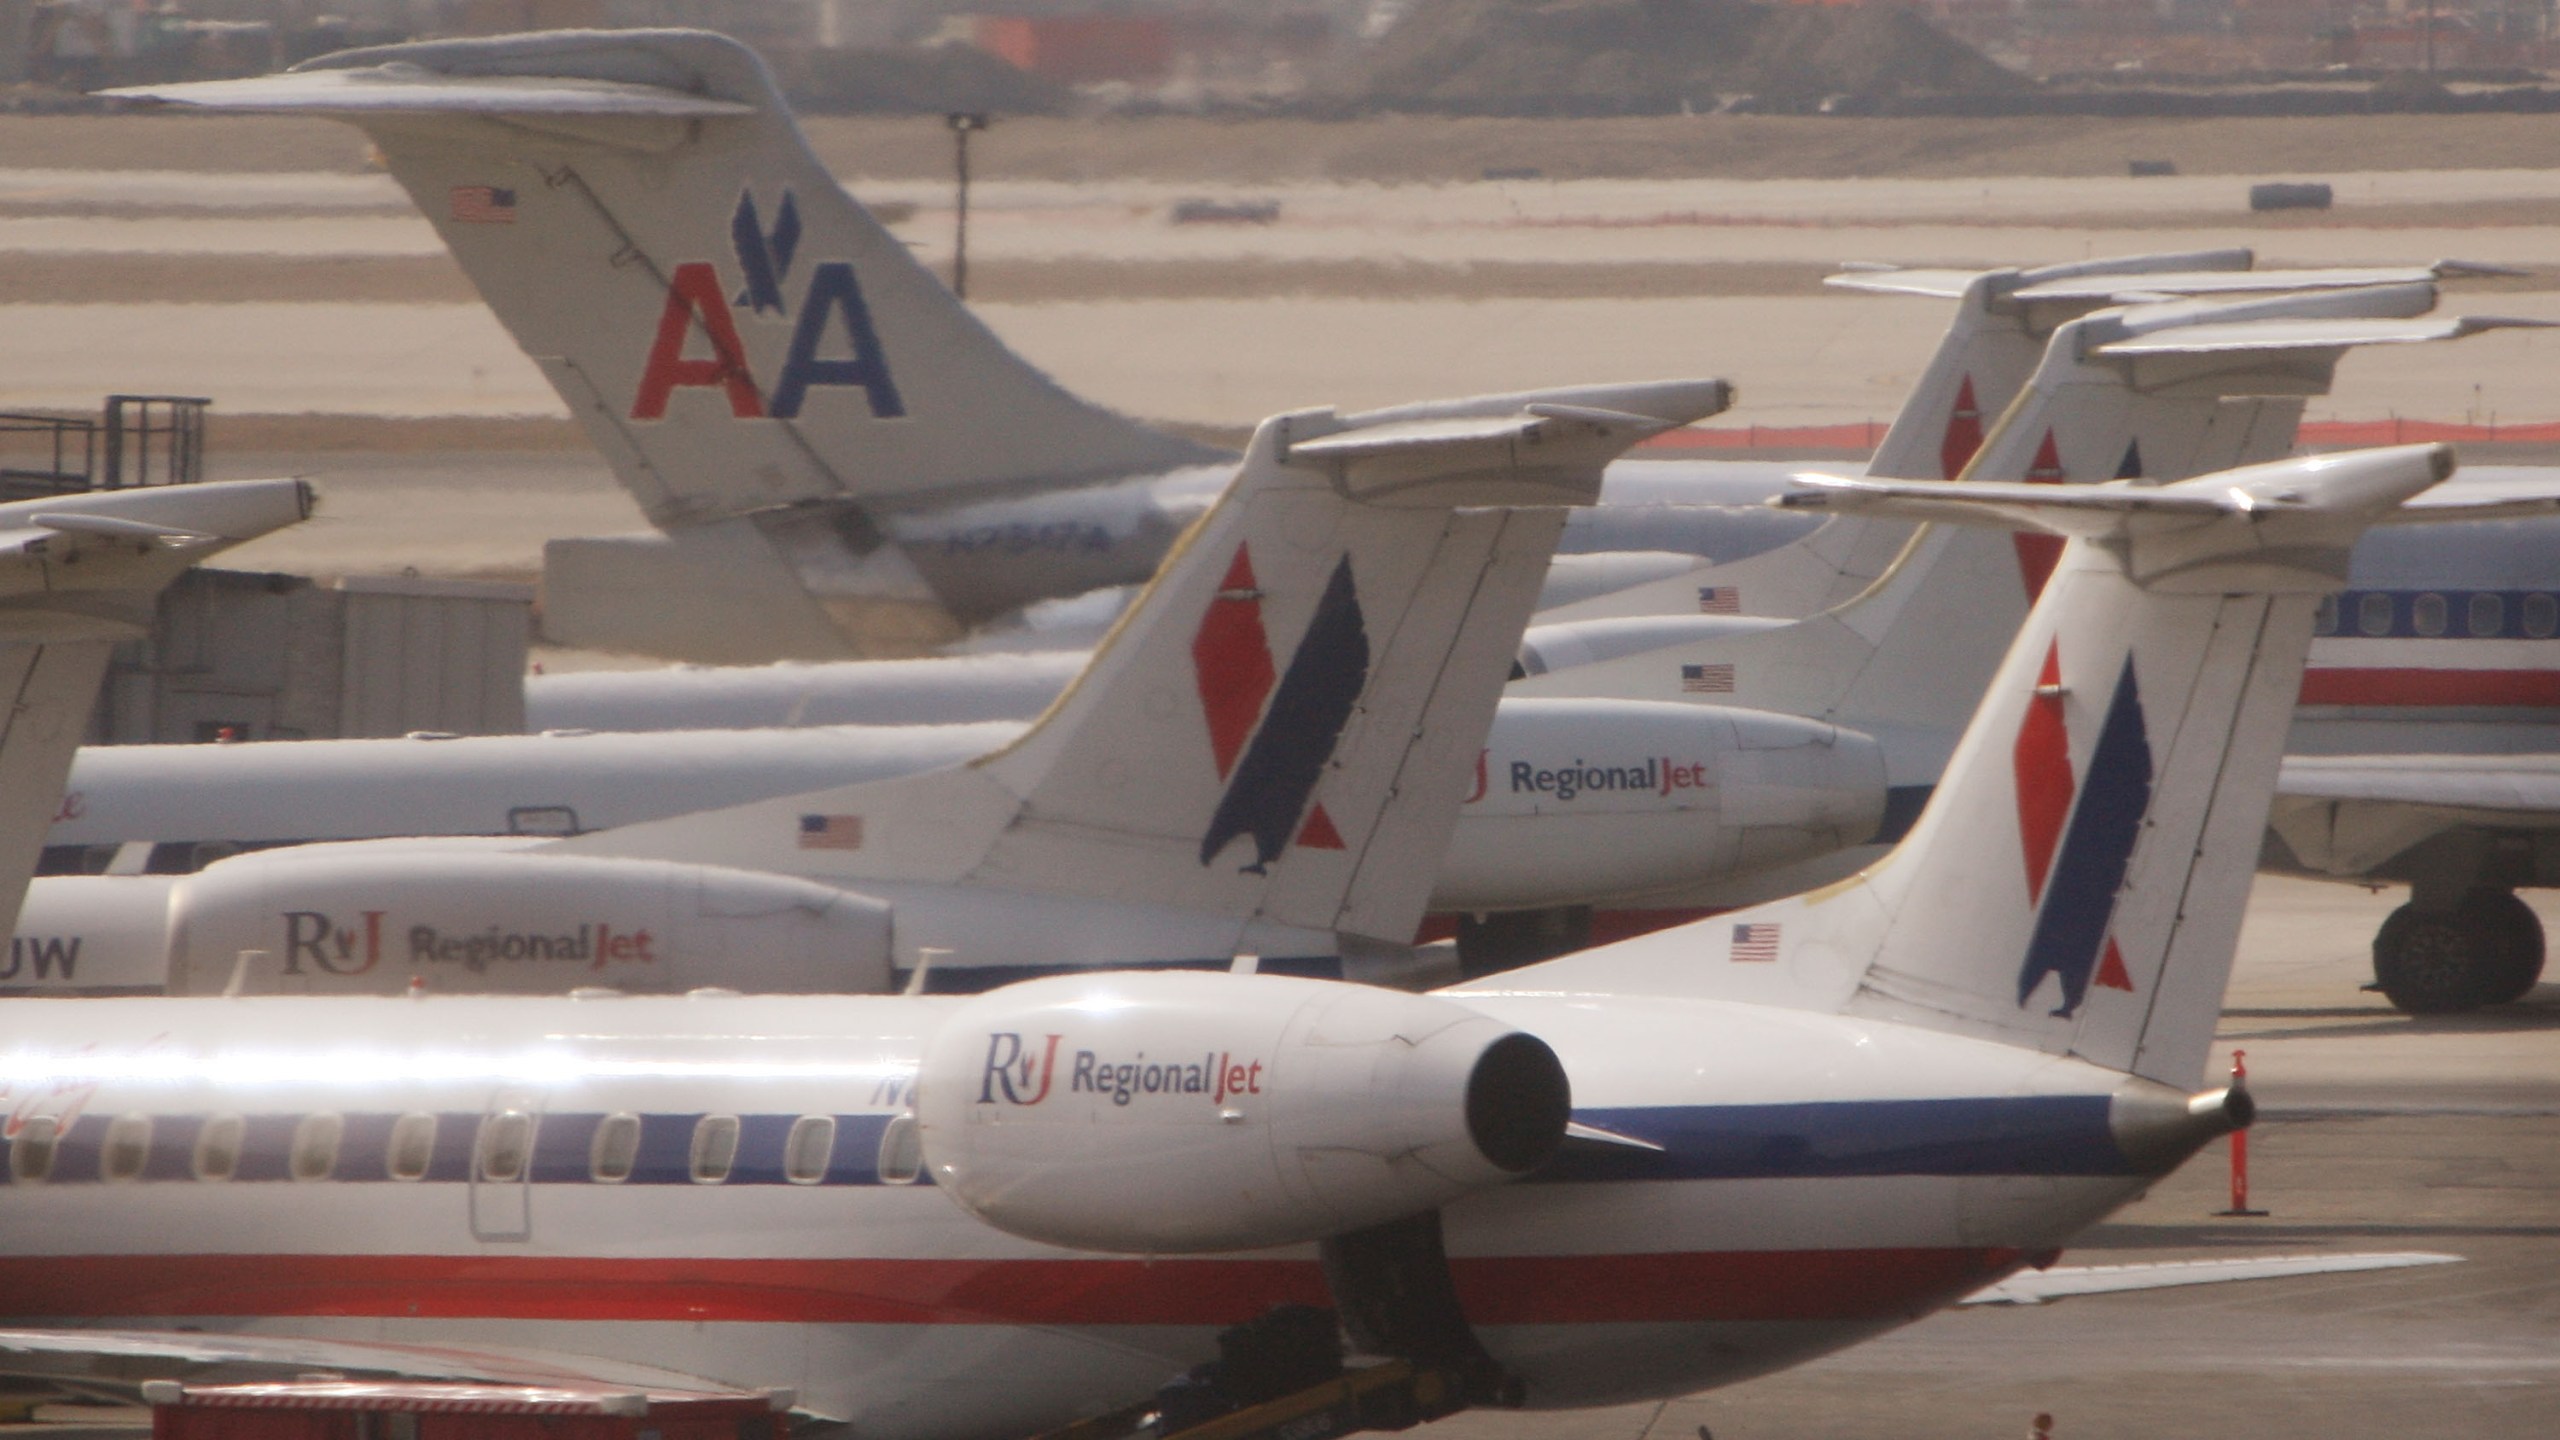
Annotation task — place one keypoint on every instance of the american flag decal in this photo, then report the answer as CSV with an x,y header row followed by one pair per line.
x,y
1719,599
483,205
830,832
1706,679
1756,942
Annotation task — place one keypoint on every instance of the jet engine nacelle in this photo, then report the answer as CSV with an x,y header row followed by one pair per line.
x,y
1578,799
1163,1113
463,916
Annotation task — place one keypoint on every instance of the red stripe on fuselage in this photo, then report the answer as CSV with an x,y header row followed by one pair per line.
x,y
1508,1290
2436,689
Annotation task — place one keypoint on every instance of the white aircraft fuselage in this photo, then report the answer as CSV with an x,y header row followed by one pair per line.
x,y
1820,1179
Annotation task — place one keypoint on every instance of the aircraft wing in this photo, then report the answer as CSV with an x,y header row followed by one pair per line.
x,y
2514,787
389,89
2038,1287
2347,815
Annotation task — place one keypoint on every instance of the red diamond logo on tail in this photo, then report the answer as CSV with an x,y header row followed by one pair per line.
x,y
2037,553
2111,972
1318,833
2042,762
1231,660
1964,432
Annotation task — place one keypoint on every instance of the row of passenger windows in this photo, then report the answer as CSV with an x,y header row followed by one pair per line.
x,y
502,1148
2485,614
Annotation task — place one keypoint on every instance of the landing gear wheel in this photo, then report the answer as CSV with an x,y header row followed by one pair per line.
x,y
2518,932
2488,950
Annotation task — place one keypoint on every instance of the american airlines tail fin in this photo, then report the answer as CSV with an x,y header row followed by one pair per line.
x,y
78,575
734,331
1997,347
2154,392
2077,884
766,369
1283,725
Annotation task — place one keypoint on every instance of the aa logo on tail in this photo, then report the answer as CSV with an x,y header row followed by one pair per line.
x,y
832,343
2078,838
1271,769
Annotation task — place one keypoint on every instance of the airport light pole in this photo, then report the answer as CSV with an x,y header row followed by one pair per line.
x,y
963,123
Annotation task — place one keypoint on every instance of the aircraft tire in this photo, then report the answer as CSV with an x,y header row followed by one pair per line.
x,y
2518,967
2488,950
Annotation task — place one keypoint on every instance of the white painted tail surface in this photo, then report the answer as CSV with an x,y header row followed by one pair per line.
x,y
2076,885
2015,382
734,331
1283,726
78,575
2154,393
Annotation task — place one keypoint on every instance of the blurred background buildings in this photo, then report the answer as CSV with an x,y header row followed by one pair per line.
x,y
1466,56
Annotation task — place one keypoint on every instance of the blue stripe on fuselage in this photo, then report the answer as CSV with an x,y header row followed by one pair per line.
x,y
2010,1135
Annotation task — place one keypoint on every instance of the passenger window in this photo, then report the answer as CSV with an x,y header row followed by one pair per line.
x,y
506,1143
715,1148
31,1150
209,851
2541,616
315,1146
412,1148
616,1149
542,820
2326,623
75,859
2488,614
127,1150
2373,613
218,1147
901,1152
808,1148
2427,614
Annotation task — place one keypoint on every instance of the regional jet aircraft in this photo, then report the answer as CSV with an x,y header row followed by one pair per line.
x,y
1341,621
1627,1174
1754,759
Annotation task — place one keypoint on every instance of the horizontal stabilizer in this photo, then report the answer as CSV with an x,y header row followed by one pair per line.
x,y
2239,282
2036,1287
2103,277
327,87
1539,449
2311,334
2364,483
405,88
2283,526
123,545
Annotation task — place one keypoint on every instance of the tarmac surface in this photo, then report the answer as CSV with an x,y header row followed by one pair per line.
x,y
1801,355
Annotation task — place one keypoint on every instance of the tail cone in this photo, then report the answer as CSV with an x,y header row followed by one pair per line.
x,y
2157,1127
